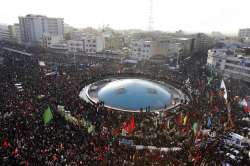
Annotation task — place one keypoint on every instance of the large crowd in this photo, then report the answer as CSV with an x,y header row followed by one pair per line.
x,y
26,140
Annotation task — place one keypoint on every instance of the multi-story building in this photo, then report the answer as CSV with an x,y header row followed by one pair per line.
x,y
167,49
94,43
59,47
76,45
88,43
201,43
142,49
185,43
49,39
229,63
33,27
5,34
244,33
15,33
76,35
114,42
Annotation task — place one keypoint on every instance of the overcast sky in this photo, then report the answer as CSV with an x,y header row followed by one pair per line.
x,y
226,16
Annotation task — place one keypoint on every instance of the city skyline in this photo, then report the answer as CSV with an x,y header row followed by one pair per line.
x,y
192,16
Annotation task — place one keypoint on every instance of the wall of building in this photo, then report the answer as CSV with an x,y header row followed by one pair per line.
x,y
76,46
5,34
142,49
243,33
33,27
233,66
201,43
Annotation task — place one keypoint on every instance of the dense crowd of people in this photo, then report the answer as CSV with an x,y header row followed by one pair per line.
x,y
26,140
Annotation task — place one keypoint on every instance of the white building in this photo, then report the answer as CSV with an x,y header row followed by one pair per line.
x,y
49,39
5,34
17,33
88,43
94,43
33,27
229,65
59,47
142,49
76,45
244,33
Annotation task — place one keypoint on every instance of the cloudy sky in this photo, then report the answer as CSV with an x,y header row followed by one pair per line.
x,y
169,15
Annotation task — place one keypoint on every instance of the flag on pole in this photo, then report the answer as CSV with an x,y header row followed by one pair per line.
x,y
47,115
133,121
209,80
185,120
169,124
246,106
209,122
5,143
130,126
195,128
179,119
223,89
187,81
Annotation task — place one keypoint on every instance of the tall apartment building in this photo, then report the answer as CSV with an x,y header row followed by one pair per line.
x,y
33,27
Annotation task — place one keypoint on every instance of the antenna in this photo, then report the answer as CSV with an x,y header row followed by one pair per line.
x,y
150,18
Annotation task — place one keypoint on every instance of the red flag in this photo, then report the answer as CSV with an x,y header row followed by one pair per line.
x,y
179,119
133,122
130,126
245,106
15,152
197,157
5,143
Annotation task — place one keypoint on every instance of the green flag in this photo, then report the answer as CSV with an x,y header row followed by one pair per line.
x,y
47,115
195,128
209,80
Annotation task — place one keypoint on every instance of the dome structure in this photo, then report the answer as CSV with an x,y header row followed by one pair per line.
x,y
132,94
